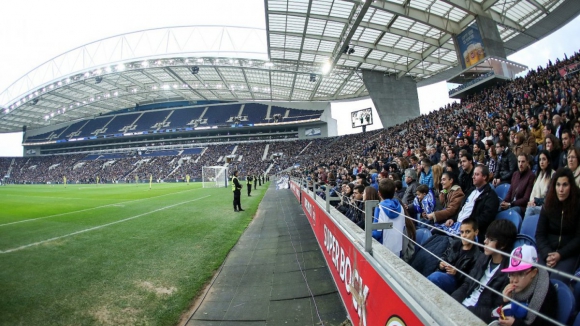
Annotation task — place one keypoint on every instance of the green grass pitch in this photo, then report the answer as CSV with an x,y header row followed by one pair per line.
x,y
112,254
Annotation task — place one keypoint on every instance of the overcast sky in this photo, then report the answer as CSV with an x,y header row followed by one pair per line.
x,y
34,31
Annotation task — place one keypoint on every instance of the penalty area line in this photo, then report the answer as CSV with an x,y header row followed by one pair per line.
x,y
97,227
93,208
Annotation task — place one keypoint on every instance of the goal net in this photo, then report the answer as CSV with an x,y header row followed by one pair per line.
x,y
214,176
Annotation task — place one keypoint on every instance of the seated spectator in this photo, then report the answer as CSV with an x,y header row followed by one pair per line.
x,y
357,207
482,204
530,146
399,190
478,299
453,167
552,145
451,197
558,230
442,159
478,153
434,156
507,163
541,184
389,210
459,255
529,286
424,203
344,205
374,181
361,179
491,161
537,130
521,187
572,159
566,143
426,173
412,184
466,175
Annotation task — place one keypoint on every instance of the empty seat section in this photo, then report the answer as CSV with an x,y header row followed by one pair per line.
x,y
255,112
181,117
94,124
46,135
112,156
74,130
161,153
217,115
277,110
297,115
149,119
119,122
192,151
91,157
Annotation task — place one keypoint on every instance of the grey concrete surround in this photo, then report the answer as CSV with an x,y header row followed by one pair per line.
x,y
395,99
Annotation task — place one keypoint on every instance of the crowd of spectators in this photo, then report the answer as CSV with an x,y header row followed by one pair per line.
x,y
448,168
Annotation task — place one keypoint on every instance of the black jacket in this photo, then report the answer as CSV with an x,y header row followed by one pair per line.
x,y
507,166
488,300
464,263
553,233
485,210
466,180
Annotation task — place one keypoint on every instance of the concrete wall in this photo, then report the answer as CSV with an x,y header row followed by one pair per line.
x,y
395,99
491,38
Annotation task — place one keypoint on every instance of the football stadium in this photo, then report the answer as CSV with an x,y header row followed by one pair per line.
x,y
196,175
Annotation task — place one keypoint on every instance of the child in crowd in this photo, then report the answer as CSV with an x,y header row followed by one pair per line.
x,y
424,203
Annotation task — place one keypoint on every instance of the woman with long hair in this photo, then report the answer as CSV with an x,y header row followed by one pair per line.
x,y
558,230
572,159
540,189
552,145
437,171
443,159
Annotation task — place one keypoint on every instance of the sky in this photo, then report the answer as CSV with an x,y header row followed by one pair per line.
x,y
34,31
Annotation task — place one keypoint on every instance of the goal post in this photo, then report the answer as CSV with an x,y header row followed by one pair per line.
x,y
214,176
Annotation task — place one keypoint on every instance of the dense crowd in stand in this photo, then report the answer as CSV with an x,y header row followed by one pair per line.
x,y
500,169
473,170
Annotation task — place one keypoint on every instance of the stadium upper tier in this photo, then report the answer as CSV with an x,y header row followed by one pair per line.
x,y
413,38
174,120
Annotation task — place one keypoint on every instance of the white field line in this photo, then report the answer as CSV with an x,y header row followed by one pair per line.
x,y
41,197
93,208
97,227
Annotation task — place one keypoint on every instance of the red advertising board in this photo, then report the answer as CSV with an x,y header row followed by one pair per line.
x,y
368,298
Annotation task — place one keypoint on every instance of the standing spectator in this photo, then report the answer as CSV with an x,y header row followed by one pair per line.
x,y
389,210
558,230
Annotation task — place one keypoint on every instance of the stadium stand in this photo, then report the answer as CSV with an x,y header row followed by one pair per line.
x,y
255,112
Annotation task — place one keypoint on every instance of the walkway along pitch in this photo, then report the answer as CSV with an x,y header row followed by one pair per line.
x,y
274,275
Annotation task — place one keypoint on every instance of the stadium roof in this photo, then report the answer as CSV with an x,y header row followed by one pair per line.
x,y
282,63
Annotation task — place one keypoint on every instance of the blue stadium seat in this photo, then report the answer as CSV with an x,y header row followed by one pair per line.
x,y
523,239
511,216
566,301
529,226
577,320
502,190
576,290
422,235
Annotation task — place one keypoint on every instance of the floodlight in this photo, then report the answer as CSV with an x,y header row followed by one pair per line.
x,y
351,51
34,101
312,78
194,70
120,67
